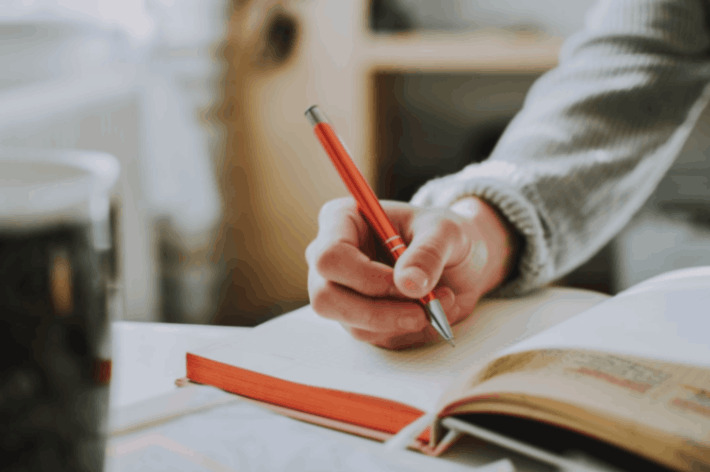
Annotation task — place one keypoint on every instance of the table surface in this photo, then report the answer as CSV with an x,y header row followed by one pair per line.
x,y
156,425
149,357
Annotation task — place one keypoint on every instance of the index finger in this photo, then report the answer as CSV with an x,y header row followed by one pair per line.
x,y
338,252
340,221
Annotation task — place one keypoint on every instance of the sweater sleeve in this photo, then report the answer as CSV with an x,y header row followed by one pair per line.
x,y
595,135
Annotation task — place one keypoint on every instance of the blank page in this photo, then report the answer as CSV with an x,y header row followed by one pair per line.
x,y
305,348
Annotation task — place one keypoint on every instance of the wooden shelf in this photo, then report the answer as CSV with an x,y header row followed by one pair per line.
x,y
481,51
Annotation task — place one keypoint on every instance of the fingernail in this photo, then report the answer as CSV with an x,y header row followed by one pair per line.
x,y
415,278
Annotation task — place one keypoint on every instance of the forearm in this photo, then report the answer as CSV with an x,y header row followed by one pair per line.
x,y
595,135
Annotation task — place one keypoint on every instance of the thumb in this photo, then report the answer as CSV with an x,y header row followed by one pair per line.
x,y
419,268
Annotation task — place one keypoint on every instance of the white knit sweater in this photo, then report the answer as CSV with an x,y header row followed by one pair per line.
x,y
595,135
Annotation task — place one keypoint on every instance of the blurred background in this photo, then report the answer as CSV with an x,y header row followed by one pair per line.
x,y
202,102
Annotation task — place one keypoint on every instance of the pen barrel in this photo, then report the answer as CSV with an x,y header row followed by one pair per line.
x,y
370,208
395,245
367,202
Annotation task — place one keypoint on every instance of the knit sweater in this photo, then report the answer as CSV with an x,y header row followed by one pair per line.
x,y
595,135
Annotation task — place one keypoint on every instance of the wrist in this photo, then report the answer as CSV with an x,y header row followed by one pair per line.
x,y
487,226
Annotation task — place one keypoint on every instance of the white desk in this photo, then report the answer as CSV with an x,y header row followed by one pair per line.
x,y
158,426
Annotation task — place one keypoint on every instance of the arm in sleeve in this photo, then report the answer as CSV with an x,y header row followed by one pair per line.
x,y
595,135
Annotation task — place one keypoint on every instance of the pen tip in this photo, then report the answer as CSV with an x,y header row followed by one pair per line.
x,y
438,320
315,116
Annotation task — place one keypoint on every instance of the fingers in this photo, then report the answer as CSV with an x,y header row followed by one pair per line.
x,y
337,252
397,341
407,339
339,221
375,302
385,315
436,244
344,264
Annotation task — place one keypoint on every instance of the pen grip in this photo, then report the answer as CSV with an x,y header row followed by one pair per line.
x,y
367,202
369,206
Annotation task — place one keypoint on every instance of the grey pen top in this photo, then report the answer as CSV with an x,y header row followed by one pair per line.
x,y
315,116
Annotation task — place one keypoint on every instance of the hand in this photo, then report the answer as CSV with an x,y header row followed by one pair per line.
x,y
461,253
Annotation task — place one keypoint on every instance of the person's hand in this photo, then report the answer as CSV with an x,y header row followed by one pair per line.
x,y
461,253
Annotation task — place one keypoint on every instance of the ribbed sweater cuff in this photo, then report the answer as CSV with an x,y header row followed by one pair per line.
x,y
495,182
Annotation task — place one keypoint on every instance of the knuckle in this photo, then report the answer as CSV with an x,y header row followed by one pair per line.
x,y
428,254
310,252
334,207
326,260
451,229
378,285
322,300
368,317
419,325
445,234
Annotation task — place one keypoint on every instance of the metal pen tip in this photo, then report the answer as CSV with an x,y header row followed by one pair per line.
x,y
438,320
315,116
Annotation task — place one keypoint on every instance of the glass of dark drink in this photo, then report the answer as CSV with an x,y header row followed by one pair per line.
x,y
56,264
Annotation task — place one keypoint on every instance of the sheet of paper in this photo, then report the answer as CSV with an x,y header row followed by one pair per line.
x,y
308,349
242,437
138,347
666,318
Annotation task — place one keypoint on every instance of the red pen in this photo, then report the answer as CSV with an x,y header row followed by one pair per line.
x,y
372,211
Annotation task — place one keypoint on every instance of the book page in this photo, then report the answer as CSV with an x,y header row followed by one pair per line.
x,y
657,409
305,348
666,318
634,366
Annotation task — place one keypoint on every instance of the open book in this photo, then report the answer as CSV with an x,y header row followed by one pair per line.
x,y
631,370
